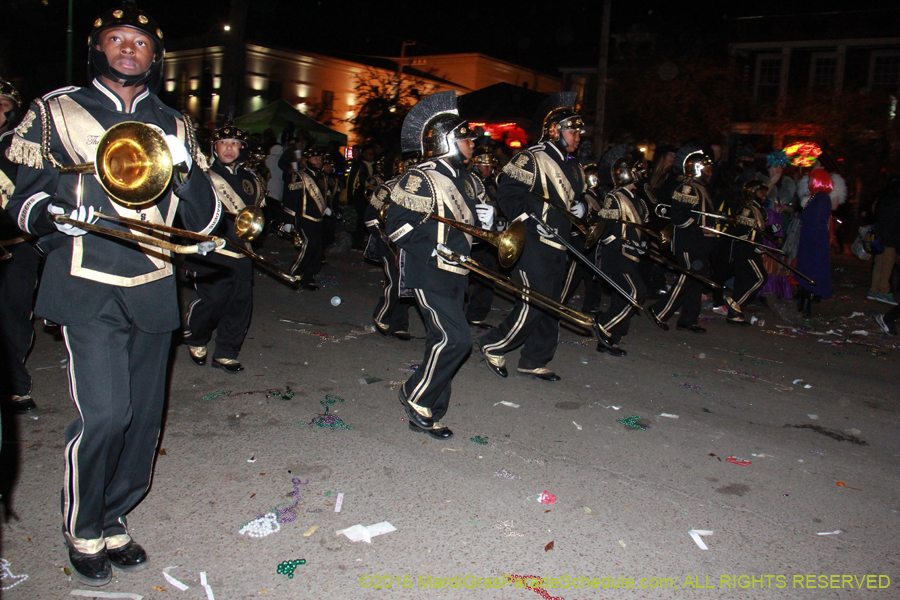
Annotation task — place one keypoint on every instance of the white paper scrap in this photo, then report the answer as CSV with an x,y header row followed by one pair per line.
x,y
209,594
859,332
505,403
856,314
813,416
668,416
835,532
339,503
361,533
577,425
696,533
93,594
172,581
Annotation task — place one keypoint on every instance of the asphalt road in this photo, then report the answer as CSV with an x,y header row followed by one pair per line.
x,y
466,514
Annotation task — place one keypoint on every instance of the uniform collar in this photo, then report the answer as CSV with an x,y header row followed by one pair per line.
x,y
232,168
444,165
111,100
548,145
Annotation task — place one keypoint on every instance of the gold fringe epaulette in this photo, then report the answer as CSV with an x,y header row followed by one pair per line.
x,y
749,221
201,161
297,185
519,174
420,204
684,195
377,199
23,152
609,213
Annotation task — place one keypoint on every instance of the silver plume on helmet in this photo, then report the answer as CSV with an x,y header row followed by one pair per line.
x,y
556,110
433,126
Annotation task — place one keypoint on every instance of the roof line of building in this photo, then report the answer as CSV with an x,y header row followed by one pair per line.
x,y
814,43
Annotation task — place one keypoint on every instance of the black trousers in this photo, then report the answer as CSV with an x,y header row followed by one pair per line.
x,y
359,232
749,273
18,280
309,262
617,317
721,266
448,342
481,290
225,304
687,291
577,273
392,311
529,325
117,379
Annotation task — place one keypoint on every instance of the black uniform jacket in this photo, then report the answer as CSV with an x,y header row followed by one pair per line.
x,y
534,177
621,205
439,188
236,188
305,197
82,273
9,233
689,196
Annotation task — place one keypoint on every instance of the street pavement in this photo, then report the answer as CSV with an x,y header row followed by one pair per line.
x,y
819,456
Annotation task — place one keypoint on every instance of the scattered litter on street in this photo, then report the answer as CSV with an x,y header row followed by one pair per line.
x,y
288,566
813,417
531,579
719,459
172,581
97,594
668,416
339,503
549,546
361,533
835,532
508,528
505,474
369,380
844,485
632,421
696,533
762,455
801,382
547,498
479,440
310,531
622,543
262,526
6,573
577,425
613,407
737,460
587,511
505,403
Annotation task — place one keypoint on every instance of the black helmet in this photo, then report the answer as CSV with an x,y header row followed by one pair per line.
x,y
13,116
557,113
229,132
129,15
433,126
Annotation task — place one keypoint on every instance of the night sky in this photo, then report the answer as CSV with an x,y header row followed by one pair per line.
x,y
534,33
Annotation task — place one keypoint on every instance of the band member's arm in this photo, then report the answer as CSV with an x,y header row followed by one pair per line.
x,y
201,210
407,217
684,200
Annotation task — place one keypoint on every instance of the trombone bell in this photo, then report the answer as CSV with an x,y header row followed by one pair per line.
x,y
133,164
249,223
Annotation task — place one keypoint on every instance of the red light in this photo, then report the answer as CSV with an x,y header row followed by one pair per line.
x,y
840,160
515,144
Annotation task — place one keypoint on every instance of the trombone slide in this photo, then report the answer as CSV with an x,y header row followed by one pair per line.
x,y
207,244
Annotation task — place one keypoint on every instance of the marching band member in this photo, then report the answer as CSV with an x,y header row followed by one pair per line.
x,y
115,300
305,207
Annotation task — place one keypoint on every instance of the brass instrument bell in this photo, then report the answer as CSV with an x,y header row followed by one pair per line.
x,y
249,223
133,164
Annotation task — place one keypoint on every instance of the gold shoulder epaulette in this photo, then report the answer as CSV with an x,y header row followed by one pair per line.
x,y
687,194
23,152
381,194
522,168
415,192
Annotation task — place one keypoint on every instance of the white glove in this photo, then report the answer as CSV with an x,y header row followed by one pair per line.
x,y
485,214
287,228
328,212
577,210
262,203
544,232
443,248
82,213
181,160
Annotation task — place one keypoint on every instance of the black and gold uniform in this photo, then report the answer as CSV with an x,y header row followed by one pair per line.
x,y
691,245
535,177
578,271
619,251
391,315
444,187
363,168
305,208
115,300
18,275
224,279
481,289
749,273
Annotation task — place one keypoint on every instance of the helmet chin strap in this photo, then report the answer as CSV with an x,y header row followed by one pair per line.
x,y
99,64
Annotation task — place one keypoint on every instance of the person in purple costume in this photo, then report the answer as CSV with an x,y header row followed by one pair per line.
x,y
814,252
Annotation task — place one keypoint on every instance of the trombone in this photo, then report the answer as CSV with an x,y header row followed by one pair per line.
x,y
509,243
529,295
590,264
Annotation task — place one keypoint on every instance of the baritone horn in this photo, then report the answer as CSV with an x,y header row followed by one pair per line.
x,y
133,164
509,243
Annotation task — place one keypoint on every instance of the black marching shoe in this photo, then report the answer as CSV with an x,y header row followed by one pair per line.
x,y
229,365
612,349
692,328
480,324
403,336
22,405
736,318
130,557
90,569
657,321
415,419
311,286
496,364
437,431
540,373
197,354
